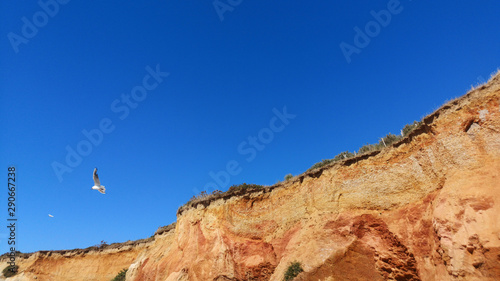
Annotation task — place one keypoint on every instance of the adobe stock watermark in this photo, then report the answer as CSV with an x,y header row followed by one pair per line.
x,y
223,6
372,29
249,148
30,28
122,108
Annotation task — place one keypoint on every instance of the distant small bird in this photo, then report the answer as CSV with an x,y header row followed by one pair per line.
x,y
51,216
97,183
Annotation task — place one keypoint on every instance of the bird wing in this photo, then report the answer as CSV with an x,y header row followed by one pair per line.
x,y
96,178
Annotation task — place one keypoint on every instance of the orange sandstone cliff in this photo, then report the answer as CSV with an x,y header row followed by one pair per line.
x,y
426,208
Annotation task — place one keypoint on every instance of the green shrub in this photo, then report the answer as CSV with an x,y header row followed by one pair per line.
x,y
242,186
409,128
10,271
289,176
323,162
367,148
384,142
343,155
120,276
388,140
339,157
293,270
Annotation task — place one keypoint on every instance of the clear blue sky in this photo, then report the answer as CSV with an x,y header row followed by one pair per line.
x,y
65,67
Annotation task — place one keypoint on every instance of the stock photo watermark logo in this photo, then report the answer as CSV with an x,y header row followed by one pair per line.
x,y
249,148
121,107
223,6
30,28
372,29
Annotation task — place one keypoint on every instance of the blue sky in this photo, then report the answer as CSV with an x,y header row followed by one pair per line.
x,y
234,67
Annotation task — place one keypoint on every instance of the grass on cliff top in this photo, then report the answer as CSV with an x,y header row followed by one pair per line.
x,y
216,193
386,141
389,139
234,189
163,229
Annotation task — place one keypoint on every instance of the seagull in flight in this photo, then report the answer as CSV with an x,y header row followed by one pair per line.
x,y
51,216
97,183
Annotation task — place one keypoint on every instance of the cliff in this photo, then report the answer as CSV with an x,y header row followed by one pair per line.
x,y
425,208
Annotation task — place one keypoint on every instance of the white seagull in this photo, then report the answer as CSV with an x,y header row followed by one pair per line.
x,y
51,216
97,183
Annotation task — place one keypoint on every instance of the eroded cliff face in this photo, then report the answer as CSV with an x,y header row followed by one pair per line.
x,y
425,209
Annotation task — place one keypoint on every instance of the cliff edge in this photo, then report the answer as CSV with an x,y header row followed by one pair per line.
x,y
425,208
